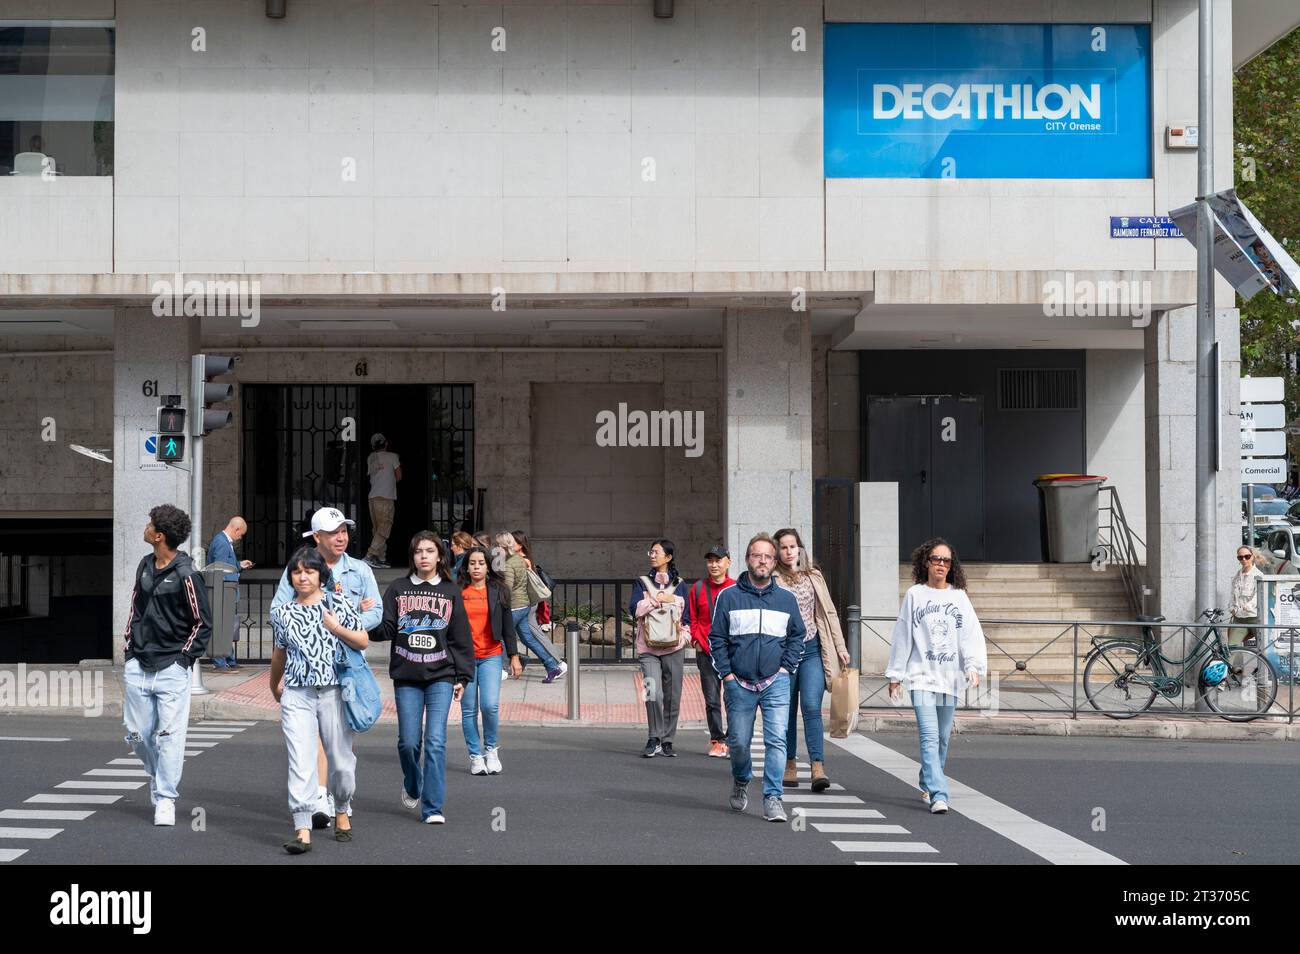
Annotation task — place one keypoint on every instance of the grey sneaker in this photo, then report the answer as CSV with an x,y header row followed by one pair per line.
x,y
772,809
739,798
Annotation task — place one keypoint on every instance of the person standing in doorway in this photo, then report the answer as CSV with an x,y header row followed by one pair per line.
x,y
515,575
756,641
938,648
385,470
824,653
350,578
166,633
704,595
222,550
659,599
431,661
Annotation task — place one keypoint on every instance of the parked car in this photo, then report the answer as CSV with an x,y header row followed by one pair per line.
x,y
1262,491
1273,512
1282,551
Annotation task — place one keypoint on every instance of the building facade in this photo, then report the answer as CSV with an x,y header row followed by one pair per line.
x,y
476,227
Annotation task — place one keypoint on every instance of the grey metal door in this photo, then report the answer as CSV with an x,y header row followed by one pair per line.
x,y
898,449
957,487
933,447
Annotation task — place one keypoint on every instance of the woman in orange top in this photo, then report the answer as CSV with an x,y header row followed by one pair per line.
x,y
487,603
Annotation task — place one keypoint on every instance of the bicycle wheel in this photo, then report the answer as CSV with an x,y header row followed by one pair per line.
x,y
1249,689
1118,681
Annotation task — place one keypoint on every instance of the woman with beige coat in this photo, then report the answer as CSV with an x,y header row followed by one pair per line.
x,y
824,653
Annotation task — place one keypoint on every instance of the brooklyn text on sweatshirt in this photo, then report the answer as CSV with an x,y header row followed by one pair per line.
x,y
937,639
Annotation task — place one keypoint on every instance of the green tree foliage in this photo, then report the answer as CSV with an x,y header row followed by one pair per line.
x,y
1266,106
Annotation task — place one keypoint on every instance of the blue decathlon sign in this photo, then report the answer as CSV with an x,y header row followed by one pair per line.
x,y
984,101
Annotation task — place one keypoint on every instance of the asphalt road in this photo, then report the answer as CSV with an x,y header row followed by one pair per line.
x,y
585,795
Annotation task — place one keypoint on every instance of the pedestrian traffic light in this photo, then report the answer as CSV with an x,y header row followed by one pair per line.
x,y
205,392
170,446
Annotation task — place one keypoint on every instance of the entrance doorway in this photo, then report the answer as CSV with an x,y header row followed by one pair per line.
x,y
933,447
305,447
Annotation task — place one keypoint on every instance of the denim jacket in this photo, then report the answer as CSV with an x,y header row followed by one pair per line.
x,y
350,577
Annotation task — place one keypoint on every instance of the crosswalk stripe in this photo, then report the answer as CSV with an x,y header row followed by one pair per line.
x,y
807,787
85,799
48,814
126,761
190,736
103,784
902,847
11,854
904,862
821,799
242,725
190,743
836,828
118,772
837,812
190,753
41,833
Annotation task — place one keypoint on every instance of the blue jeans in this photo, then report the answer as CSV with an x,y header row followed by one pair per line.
x,y
531,640
427,706
775,703
934,714
156,713
806,694
483,693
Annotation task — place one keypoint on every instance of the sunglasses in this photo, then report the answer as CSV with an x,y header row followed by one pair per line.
x,y
941,561
1244,556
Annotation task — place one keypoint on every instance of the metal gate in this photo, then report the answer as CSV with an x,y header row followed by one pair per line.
x,y
834,533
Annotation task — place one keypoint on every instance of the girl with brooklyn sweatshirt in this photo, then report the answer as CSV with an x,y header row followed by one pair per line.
x,y
431,661
938,647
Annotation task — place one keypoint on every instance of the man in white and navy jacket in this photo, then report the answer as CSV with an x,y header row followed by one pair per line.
x,y
756,641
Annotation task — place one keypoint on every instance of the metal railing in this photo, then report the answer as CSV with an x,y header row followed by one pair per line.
x,y
599,607
1122,547
1037,667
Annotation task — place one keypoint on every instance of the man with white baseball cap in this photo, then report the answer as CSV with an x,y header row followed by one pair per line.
x,y
385,470
349,577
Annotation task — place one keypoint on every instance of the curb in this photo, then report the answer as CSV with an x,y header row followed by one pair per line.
x,y
1171,729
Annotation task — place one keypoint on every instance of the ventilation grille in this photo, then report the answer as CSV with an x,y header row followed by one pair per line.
x,y
1038,389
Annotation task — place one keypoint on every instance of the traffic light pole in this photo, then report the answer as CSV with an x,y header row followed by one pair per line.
x,y
198,378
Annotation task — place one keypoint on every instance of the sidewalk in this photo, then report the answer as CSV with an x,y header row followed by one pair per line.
x,y
611,698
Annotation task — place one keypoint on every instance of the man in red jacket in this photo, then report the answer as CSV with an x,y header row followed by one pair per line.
x,y
702,597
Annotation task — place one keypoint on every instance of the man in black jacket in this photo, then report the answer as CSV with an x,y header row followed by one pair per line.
x,y
167,633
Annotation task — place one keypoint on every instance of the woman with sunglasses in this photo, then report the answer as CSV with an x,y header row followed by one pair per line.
x,y
938,647
1245,595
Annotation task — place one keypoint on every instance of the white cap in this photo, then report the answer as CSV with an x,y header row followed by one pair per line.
x,y
328,519
377,439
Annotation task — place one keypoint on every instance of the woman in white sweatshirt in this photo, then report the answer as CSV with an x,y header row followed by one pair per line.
x,y
938,648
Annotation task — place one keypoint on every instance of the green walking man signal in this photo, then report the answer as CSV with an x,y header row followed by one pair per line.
x,y
170,447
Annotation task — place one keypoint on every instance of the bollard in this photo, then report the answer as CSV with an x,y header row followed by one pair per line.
x,y
196,680
853,636
574,689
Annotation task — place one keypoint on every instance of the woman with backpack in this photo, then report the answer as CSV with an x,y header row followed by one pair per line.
x,y
486,600
938,647
539,616
663,622
431,662
515,575
824,653
307,631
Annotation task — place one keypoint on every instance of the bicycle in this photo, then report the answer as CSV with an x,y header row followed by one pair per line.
x,y
1123,675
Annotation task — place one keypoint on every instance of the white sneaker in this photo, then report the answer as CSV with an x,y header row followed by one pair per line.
x,y
939,807
164,812
408,802
435,819
925,797
477,766
493,762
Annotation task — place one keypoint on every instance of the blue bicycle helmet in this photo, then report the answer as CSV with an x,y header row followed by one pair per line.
x,y
1215,671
